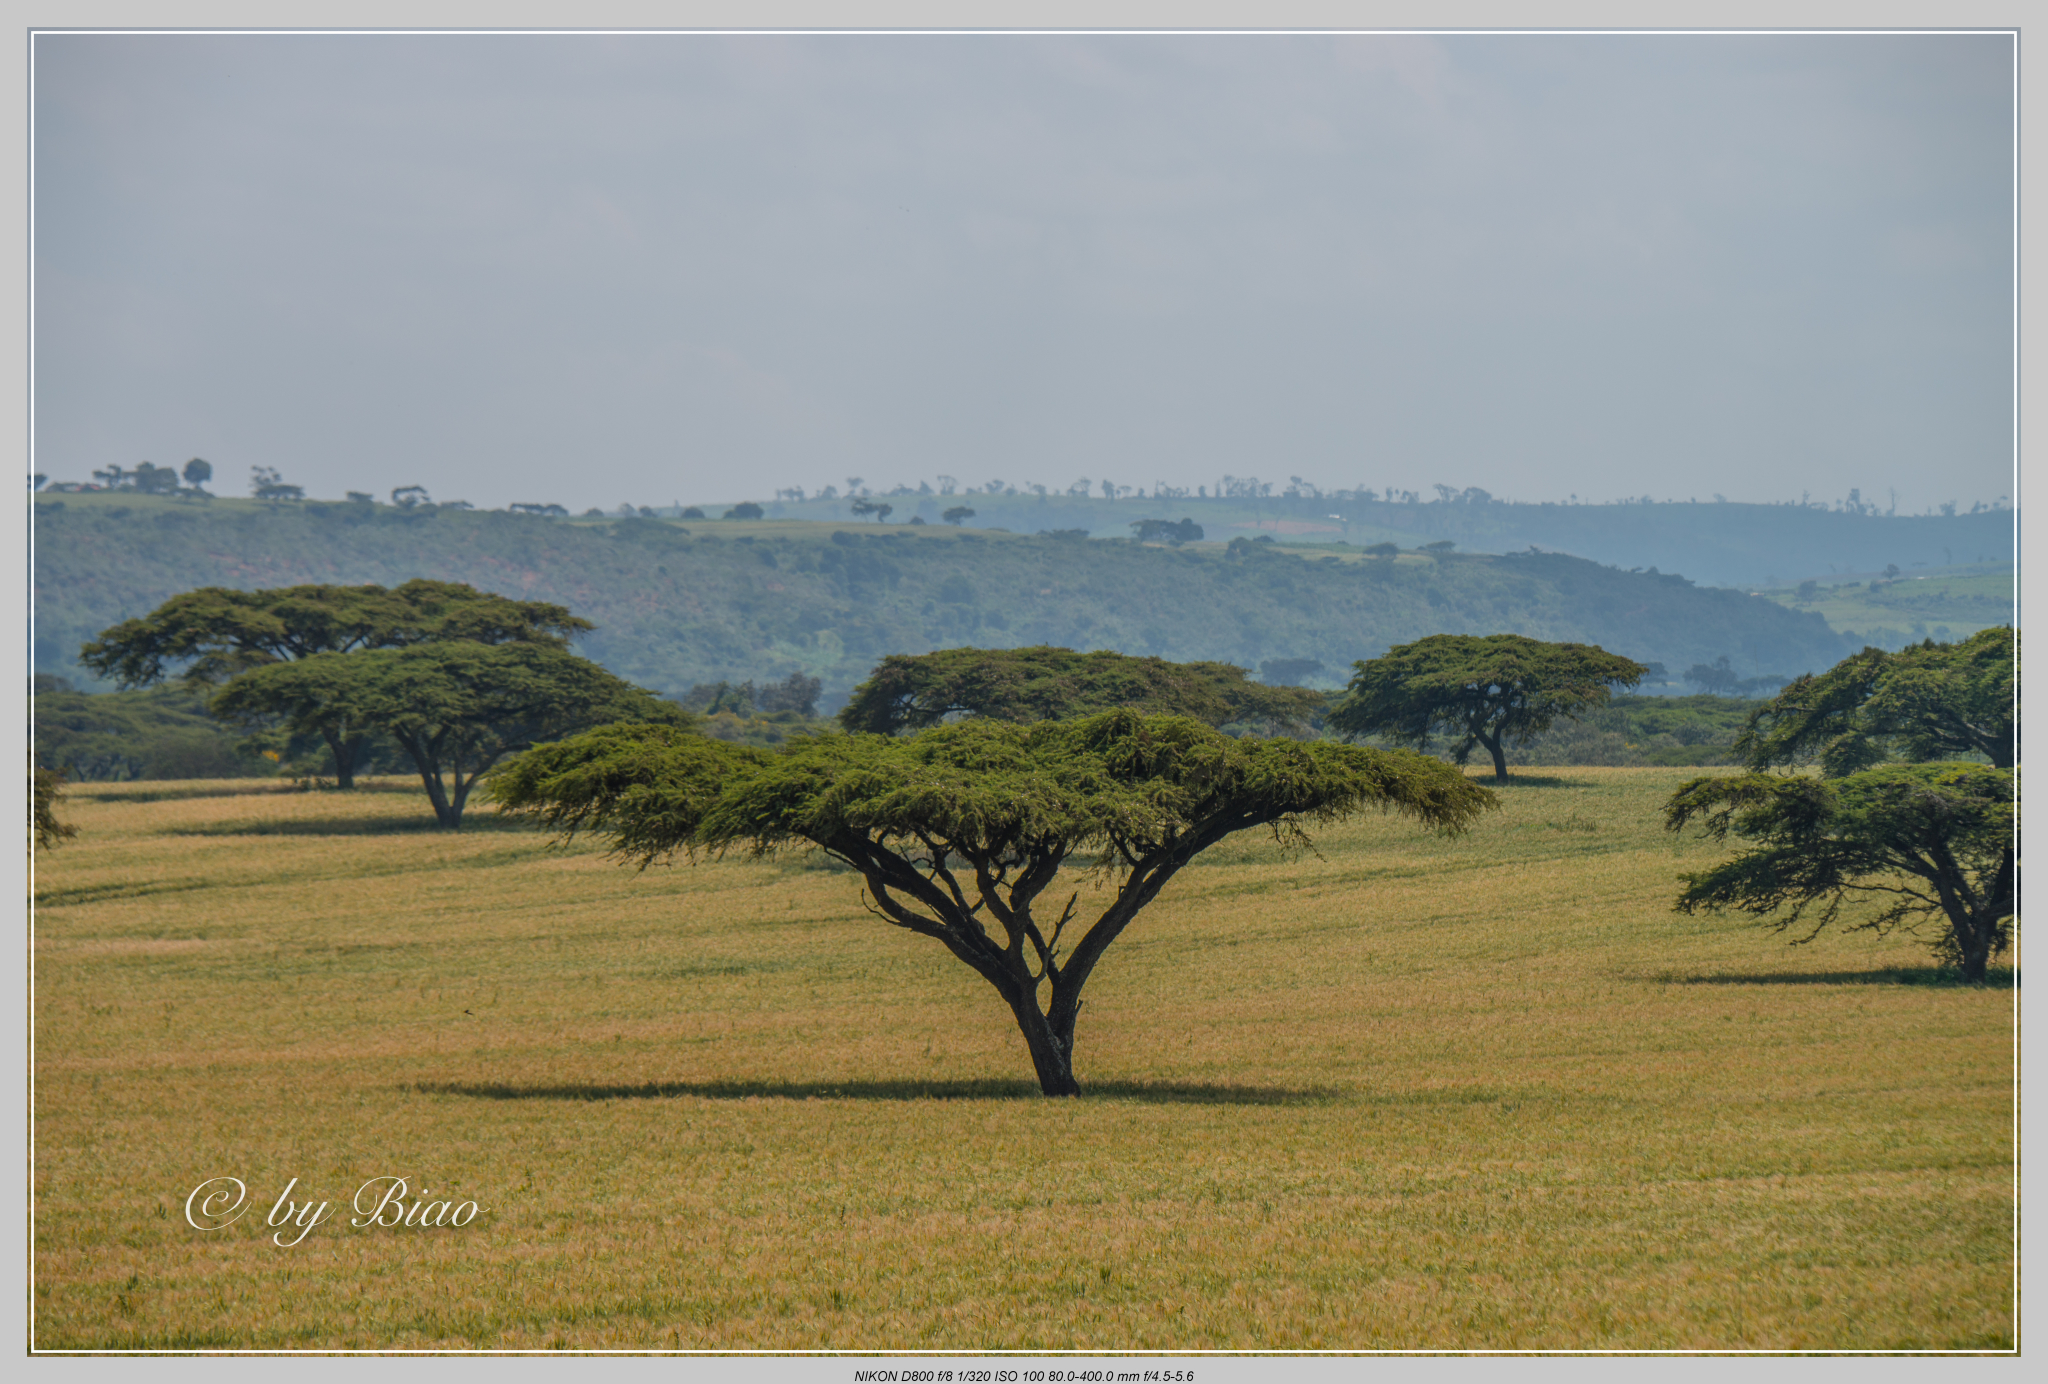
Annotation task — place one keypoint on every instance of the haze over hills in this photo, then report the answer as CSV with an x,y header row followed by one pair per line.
x,y
1714,544
678,604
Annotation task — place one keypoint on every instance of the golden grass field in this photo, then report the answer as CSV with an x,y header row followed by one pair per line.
x,y
1410,1093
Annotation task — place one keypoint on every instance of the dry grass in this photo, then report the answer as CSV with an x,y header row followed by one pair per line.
x,y
1412,1093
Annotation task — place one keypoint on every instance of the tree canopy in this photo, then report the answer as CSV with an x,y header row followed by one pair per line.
x,y
218,632
1484,690
1166,531
46,786
913,691
455,707
961,830
1921,842
1925,702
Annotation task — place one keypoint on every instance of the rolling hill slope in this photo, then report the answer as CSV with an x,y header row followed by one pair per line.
x,y
680,604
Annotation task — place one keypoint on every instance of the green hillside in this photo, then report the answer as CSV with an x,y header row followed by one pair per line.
x,y
679,604
1943,605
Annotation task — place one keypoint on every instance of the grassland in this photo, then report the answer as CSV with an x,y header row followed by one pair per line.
x,y
1405,1093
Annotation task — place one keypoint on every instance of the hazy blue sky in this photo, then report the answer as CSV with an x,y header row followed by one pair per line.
x,y
598,269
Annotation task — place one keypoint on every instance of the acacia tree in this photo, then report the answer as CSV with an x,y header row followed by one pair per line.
x,y
1930,701
1486,690
455,708
961,831
1925,842
913,691
218,633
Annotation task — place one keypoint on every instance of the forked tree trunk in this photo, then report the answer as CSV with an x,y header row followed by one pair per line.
x,y
1975,939
1976,919
346,750
426,757
1052,1052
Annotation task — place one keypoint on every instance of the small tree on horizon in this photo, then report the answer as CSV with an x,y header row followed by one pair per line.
x,y
960,832
266,484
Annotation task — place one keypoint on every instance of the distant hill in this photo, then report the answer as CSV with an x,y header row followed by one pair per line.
x,y
1941,605
677,605
1747,546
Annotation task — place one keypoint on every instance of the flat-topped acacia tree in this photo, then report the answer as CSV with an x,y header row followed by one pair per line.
x,y
217,633
961,830
913,691
1489,690
456,707
1927,701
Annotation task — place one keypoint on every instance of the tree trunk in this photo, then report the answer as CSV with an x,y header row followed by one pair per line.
x,y
449,814
428,763
1052,1053
344,749
1974,939
1500,760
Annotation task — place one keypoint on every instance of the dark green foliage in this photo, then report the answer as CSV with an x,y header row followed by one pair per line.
x,y
1635,731
1930,701
960,830
1719,678
160,733
957,515
1923,842
749,510
913,691
795,693
46,786
1166,531
711,698
217,633
1492,690
455,707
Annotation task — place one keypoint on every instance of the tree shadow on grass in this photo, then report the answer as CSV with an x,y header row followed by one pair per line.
x,y
359,826
1523,780
1149,1092
181,790
1995,978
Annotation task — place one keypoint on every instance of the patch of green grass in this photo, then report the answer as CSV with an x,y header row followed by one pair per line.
x,y
1947,605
